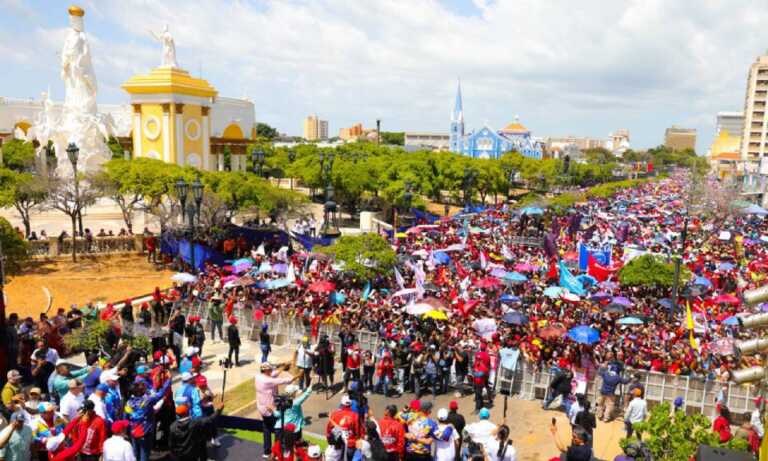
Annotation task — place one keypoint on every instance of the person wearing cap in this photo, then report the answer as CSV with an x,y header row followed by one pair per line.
x,y
636,411
456,419
11,387
16,439
113,399
303,358
446,438
294,414
86,433
206,405
314,453
98,401
142,374
117,447
216,316
482,430
347,422
42,370
63,375
233,339
188,394
34,395
73,400
188,435
140,410
421,431
267,383
392,434
287,447
756,417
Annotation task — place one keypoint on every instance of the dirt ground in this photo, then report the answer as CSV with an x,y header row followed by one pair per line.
x,y
102,279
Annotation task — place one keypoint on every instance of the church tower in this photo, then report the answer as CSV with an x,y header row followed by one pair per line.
x,y
457,122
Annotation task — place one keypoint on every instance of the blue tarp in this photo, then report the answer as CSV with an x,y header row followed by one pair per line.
x,y
425,216
202,254
309,242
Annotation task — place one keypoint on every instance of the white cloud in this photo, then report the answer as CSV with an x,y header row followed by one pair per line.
x,y
565,67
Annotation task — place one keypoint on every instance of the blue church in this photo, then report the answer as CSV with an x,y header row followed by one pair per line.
x,y
487,143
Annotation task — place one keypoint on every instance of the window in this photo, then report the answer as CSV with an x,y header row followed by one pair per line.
x,y
485,144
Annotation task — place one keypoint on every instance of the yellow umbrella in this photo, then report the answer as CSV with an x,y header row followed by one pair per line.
x,y
401,235
437,315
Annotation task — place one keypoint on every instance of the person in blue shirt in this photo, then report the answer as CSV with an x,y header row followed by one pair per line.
x,y
140,412
294,414
189,395
92,379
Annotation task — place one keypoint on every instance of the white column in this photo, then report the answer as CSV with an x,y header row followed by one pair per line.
x,y
180,138
166,137
137,133
206,143
221,162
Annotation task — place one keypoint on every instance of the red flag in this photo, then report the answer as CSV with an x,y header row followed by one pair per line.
x,y
553,272
597,271
460,271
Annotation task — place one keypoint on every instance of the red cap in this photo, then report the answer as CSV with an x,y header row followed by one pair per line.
x,y
201,381
415,405
144,306
290,427
233,320
182,410
196,362
454,405
120,426
157,355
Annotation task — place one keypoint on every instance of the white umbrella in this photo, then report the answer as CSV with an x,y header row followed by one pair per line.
x,y
418,308
183,277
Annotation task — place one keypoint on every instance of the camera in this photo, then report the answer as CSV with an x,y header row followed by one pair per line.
x,y
225,363
283,402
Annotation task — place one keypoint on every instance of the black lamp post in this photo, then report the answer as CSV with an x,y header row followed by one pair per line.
x,y
73,152
257,156
190,212
329,228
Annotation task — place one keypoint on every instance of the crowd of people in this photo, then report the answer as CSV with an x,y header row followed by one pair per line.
x,y
467,302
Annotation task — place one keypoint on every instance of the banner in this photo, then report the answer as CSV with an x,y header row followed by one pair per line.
x,y
309,242
601,255
569,282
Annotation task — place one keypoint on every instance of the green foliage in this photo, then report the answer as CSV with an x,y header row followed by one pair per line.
x,y
91,337
14,247
366,255
18,155
141,343
676,437
114,145
265,131
599,155
651,270
393,138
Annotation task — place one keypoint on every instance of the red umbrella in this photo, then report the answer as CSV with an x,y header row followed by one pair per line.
x,y
728,299
322,286
488,282
571,256
551,332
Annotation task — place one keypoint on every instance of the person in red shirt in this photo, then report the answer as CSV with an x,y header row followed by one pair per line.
x,y
87,433
292,451
722,424
480,371
353,364
392,434
347,422
385,370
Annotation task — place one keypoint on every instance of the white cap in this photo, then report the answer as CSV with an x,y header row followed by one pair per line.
x,y
313,451
345,400
292,389
442,414
186,376
108,375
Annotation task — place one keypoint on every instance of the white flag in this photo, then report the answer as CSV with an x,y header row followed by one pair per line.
x,y
260,251
291,275
399,279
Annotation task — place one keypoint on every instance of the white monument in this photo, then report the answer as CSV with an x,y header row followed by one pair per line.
x,y
80,122
169,48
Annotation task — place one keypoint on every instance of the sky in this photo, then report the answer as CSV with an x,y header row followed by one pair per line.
x,y
565,68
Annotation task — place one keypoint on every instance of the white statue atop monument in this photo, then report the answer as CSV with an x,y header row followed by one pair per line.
x,y
77,68
169,48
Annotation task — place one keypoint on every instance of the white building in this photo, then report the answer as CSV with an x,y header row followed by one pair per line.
x,y
423,140
733,122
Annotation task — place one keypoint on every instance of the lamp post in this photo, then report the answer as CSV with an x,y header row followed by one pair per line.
x,y
678,261
291,159
257,156
190,211
329,228
73,153
512,181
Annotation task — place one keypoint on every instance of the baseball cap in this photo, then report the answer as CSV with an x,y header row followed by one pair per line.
x,y
426,406
35,391
120,426
454,405
109,375
442,414
345,401
292,389
415,405
73,384
141,369
484,413
201,380
102,387
313,451
186,376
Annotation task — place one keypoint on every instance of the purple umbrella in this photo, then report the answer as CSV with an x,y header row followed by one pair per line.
x,y
280,268
621,300
498,272
608,285
600,296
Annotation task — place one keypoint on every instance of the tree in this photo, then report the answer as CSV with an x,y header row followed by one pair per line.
x,y
18,155
393,138
265,131
25,191
650,270
115,147
676,437
598,155
14,247
366,255
72,197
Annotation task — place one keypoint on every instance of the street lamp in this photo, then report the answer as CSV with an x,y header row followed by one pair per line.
x,y
257,156
190,211
197,194
73,152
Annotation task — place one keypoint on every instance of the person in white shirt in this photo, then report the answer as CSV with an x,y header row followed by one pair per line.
x,y
51,354
98,400
117,448
500,448
482,431
636,411
72,400
446,438
756,418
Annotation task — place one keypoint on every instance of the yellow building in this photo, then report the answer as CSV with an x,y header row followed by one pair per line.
x,y
724,154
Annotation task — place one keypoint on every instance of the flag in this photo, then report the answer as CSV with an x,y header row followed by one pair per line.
x,y
399,278
601,255
506,253
483,261
460,271
552,272
690,325
550,245
260,251
569,282
600,272
291,275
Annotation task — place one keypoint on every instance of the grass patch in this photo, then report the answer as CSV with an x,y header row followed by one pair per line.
x,y
258,437
239,396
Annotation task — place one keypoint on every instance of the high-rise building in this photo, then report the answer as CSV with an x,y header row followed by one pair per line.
x,y
732,122
356,133
754,145
315,129
677,138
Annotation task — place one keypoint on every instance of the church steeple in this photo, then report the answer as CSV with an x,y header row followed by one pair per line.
x,y
457,122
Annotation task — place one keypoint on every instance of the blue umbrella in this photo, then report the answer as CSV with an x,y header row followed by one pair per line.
x,y
755,209
441,257
508,298
630,321
600,296
732,320
515,318
622,300
726,266
666,303
515,277
702,281
553,292
532,210
584,334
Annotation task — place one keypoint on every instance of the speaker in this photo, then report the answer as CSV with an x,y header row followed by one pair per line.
x,y
707,453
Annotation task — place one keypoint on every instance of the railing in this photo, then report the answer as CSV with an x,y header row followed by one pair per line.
x,y
53,247
37,248
378,225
